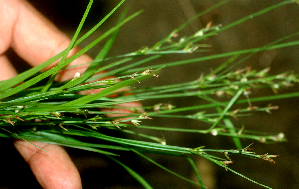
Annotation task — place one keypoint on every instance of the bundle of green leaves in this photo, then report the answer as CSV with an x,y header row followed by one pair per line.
x,y
35,108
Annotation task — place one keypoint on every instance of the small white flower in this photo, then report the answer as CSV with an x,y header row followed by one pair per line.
x,y
163,142
214,132
199,33
135,122
77,74
280,135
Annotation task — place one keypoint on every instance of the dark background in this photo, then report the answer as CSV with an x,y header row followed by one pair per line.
x,y
157,21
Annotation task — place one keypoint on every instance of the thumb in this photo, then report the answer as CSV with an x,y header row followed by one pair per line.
x,y
53,167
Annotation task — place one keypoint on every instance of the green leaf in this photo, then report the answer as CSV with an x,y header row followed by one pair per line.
x,y
164,168
133,174
196,172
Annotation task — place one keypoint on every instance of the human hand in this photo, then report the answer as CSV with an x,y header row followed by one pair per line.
x,y
35,39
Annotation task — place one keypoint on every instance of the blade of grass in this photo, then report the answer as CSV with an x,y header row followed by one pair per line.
x,y
164,168
102,55
89,98
271,97
104,52
196,172
70,142
254,136
225,64
122,70
130,143
231,102
71,45
232,131
133,173
6,84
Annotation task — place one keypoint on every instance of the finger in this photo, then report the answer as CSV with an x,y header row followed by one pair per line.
x,y
52,168
124,109
8,71
41,42
33,37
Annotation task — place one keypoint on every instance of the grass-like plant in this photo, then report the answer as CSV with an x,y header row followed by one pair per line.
x,y
56,113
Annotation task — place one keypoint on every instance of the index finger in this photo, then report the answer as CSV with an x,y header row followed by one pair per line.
x,y
34,38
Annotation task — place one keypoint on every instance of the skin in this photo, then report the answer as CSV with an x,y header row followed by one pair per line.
x,y
35,39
